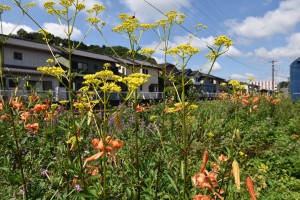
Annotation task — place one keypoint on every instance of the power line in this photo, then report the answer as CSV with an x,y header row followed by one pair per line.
x,y
203,40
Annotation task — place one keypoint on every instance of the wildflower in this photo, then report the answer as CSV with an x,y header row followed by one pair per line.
x,y
135,80
236,174
63,102
25,116
223,158
216,167
223,40
183,50
255,107
44,172
110,148
77,187
250,188
147,51
202,197
275,101
234,83
40,107
263,168
223,96
153,117
210,134
251,79
23,191
245,102
4,8
255,99
74,181
4,117
93,170
140,108
223,84
53,71
295,136
32,127
17,105
204,161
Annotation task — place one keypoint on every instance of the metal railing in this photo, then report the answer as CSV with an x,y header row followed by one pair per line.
x,y
62,94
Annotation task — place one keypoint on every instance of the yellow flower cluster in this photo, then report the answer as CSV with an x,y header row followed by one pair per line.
x,y
234,82
53,71
190,107
147,51
147,26
223,40
183,50
4,8
66,3
93,20
96,9
172,17
110,87
135,80
129,24
102,80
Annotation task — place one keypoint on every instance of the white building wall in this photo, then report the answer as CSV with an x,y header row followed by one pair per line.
x,y
265,85
30,58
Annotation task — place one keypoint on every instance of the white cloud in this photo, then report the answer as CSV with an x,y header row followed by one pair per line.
x,y
146,13
13,28
216,67
58,30
291,50
242,77
280,20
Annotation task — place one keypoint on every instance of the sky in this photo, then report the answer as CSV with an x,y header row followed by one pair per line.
x,y
262,31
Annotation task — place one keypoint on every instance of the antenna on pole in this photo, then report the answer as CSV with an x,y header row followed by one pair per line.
x,y
273,83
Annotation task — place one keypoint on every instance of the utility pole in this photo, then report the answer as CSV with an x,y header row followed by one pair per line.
x,y
273,71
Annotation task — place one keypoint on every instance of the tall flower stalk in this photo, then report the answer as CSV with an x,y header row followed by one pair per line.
x,y
132,29
66,13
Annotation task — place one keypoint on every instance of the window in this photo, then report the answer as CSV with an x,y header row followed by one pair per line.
x,y
12,83
81,66
198,79
95,68
145,71
31,85
17,56
141,88
47,85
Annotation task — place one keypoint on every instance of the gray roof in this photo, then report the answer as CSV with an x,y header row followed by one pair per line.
x,y
29,44
92,55
16,69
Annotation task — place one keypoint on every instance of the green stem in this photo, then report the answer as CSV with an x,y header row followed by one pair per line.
x,y
71,98
136,127
104,144
184,131
19,158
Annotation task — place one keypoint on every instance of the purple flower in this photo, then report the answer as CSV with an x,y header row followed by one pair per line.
x,y
111,121
77,187
132,119
23,191
45,172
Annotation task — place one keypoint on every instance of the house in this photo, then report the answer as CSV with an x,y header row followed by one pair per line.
x,y
265,86
295,80
22,57
149,90
20,61
209,86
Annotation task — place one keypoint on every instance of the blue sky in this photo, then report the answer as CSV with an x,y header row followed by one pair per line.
x,y
262,31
